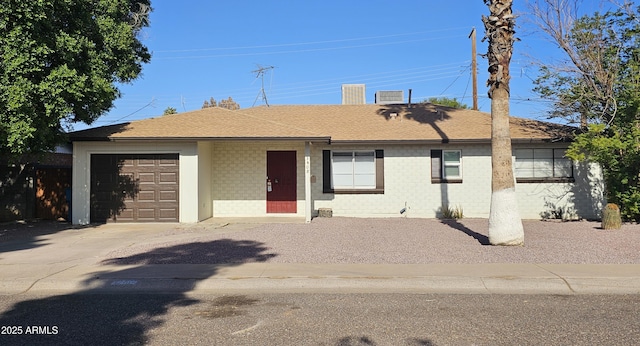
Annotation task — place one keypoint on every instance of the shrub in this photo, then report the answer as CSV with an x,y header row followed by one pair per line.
x,y
452,212
611,218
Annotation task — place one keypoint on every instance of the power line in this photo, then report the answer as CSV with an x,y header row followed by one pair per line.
x,y
301,50
455,80
130,114
307,43
318,87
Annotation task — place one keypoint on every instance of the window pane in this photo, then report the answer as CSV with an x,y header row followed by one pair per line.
x,y
451,156
365,163
562,168
338,153
524,168
543,168
364,170
543,154
524,163
342,164
365,154
543,163
451,171
342,181
524,154
364,181
558,154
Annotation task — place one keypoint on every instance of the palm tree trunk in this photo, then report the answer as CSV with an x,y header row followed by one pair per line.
x,y
505,225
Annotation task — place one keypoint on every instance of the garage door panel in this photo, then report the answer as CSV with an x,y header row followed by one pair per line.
x,y
147,214
147,177
127,162
134,188
167,161
168,214
147,196
147,162
168,177
125,215
169,196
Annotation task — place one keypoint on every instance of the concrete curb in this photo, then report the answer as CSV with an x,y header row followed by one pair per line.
x,y
360,278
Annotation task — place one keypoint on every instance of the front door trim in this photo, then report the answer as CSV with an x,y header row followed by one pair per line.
x,y
281,185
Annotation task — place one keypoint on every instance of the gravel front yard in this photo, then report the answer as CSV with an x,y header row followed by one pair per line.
x,y
405,241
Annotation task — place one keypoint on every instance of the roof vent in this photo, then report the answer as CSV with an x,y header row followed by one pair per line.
x,y
389,97
353,94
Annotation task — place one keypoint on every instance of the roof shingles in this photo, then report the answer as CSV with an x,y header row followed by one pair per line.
x,y
339,123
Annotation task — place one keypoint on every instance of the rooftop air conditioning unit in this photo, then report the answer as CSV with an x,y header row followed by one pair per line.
x,y
389,97
353,94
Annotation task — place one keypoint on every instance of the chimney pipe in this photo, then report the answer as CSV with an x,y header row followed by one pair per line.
x,y
409,98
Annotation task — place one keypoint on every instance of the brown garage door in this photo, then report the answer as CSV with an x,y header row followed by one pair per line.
x,y
134,188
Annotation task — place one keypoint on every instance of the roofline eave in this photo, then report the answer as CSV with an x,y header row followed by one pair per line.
x,y
191,139
447,141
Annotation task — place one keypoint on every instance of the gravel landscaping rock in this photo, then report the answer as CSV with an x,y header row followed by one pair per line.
x,y
397,240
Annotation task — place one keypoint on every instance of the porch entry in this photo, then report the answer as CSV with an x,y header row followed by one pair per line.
x,y
281,185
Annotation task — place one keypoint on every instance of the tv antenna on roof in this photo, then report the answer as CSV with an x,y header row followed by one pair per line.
x,y
260,72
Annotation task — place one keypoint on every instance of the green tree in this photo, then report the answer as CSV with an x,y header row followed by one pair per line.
x,y
170,110
447,102
60,62
598,87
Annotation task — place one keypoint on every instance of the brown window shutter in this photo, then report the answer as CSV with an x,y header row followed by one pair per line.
x,y
326,171
436,164
380,169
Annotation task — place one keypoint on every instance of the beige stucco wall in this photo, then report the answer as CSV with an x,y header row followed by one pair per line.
x,y
205,183
239,176
187,151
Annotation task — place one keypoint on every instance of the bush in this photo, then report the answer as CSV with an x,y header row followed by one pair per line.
x,y
611,218
452,213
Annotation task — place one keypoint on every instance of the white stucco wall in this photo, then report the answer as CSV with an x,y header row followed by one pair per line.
x,y
239,178
583,199
228,179
187,152
408,185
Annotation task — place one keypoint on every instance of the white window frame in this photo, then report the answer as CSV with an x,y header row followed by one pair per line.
x,y
451,164
353,173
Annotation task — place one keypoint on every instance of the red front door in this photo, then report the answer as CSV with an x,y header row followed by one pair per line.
x,y
281,182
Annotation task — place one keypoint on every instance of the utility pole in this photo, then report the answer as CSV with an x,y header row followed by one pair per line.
x,y
474,68
260,74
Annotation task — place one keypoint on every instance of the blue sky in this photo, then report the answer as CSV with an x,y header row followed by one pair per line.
x,y
202,49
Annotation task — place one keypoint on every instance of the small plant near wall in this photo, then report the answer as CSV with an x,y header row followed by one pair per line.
x,y
452,213
611,218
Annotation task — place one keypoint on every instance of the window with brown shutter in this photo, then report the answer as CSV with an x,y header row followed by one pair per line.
x,y
355,172
446,166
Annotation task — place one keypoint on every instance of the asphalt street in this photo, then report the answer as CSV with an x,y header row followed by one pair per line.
x,y
260,318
